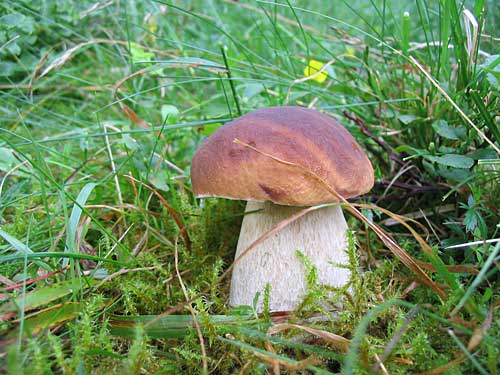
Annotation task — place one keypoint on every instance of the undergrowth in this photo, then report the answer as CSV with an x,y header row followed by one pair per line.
x,y
109,264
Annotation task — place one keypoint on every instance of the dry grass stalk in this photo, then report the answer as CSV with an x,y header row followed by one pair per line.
x,y
387,239
191,310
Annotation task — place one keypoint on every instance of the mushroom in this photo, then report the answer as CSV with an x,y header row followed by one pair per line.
x,y
306,140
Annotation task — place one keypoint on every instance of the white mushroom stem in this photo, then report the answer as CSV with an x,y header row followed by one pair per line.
x,y
320,235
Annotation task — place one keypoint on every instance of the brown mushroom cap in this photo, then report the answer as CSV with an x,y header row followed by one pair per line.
x,y
304,137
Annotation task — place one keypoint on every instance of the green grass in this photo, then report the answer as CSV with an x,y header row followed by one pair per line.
x,y
102,106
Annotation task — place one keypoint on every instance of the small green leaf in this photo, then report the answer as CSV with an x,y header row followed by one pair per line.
x,y
483,153
492,67
12,20
407,119
250,90
139,55
455,174
447,150
493,81
446,131
14,49
488,293
452,160
159,179
130,142
100,273
8,68
169,114
471,220
409,149
210,128
86,143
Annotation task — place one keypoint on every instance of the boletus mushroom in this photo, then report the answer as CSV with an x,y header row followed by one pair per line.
x,y
312,145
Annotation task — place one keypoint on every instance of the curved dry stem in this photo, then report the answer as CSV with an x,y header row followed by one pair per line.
x,y
385,237
175,215
340,342
131,114
191,310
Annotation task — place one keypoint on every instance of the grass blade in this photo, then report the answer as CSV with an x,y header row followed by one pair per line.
x,y
17,257
41,296
46,319
478,279
22,250
74,220
172,326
